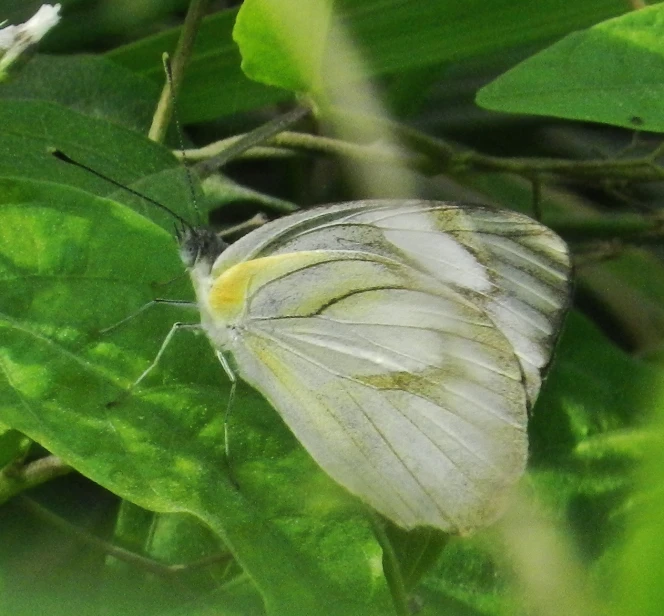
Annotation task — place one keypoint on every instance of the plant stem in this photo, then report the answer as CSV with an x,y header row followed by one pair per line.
x,y
122,554
633,227
183,50
244,227
391,568
18,478
285,143
434,155
446,157
242,143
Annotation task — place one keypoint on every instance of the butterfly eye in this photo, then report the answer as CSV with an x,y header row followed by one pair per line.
x,y
190,247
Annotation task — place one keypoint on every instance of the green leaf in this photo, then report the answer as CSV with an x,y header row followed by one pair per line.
x,y
611,73
74,263
13,444
393,35
284,43
417,551
33,129
91,85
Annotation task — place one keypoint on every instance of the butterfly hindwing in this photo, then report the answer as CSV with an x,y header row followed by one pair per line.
x,y
402,342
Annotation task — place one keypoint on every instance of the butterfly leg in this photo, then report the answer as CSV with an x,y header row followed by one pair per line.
x,y
176,328
150,304
231,396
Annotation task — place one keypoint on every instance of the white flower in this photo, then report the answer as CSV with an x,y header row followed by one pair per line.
x,y
14,40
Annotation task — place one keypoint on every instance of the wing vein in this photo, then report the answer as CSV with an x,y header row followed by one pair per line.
x,y
357,442
488,238
329,370
394,452
341,349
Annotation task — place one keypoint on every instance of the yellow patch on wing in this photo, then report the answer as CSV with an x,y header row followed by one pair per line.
x,y
231,289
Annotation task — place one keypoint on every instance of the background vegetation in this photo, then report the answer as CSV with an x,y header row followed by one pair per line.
x,y
130,508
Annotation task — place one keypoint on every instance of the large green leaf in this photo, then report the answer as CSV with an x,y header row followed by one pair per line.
x,y
73,263
394,35
90,84
611,73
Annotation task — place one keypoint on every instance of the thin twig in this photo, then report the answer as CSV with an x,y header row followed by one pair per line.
x,y
644,228
244,142
597,252
183,51
122,554
627,227
15,479
244,227
446,157
289,142
434,155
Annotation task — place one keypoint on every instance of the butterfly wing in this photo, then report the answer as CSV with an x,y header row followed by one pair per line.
x,y
403,343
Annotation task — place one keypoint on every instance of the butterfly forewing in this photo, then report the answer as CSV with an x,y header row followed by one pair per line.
x,y
403,344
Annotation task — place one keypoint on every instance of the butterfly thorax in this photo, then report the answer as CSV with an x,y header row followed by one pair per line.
x,y
199,249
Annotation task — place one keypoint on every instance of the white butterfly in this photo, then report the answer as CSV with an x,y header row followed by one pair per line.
x,y
403,342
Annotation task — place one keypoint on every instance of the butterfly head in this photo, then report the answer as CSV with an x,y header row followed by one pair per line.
x,y
199,247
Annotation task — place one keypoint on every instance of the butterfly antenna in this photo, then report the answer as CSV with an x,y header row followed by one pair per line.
x,y
178,127
67,159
